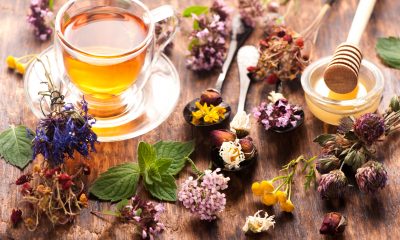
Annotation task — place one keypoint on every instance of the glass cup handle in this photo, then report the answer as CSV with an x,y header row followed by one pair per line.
x,y
167,27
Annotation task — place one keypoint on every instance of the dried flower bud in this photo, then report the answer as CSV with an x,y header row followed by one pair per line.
x,y
248,148
395,104
16,216
50,172
327,163
371,176
333,223
23,179
66,185
211,97
332,185
369,127
26,189
220,136
64,177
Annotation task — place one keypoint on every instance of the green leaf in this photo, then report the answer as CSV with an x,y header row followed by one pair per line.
x,y
164,164
146,156
117,183
388,50
153,174
324,138
16,145
196,10
121,204
51,4
196,26
164,190
193,43
177,151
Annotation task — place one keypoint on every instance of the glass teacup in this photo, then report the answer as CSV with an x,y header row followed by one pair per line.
x,y
105,50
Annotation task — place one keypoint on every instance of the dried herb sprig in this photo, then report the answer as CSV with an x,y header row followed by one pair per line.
x,y
65,129
51,193
145,215
353,145
282,194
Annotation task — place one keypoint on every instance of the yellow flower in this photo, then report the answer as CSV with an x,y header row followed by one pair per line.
x,y
20,68
209,114
83,200
256,189
269,199
287,206
267,186
282,196
43,189
30,223
11,61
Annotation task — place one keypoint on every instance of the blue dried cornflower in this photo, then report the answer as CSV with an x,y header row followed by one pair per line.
x,y
39,13
208,40
60,134
369,127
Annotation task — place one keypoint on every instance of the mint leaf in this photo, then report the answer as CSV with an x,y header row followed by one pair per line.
x,y
177,151
164,164
152,174
388,50
196,10
16,145
146,156
117,183
164,190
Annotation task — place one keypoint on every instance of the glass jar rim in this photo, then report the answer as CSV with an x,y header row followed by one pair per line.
x,y
142,45
377,88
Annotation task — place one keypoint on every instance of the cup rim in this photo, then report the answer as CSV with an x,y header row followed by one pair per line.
x,y
305,82
145,42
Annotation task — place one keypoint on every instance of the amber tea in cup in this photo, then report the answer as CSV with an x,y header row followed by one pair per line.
x,y
105,50
110,32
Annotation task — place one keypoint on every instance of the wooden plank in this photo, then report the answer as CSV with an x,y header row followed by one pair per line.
x,y
370,217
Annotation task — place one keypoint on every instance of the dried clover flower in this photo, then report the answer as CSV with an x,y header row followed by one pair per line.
x,y
369,127
279,114
280,56
208,114
207,45
38,18
334,223
371,176
240,124
258,224
51,193
232,154
332,184
203,196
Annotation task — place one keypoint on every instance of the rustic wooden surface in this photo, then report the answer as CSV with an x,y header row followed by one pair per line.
x,y
370,217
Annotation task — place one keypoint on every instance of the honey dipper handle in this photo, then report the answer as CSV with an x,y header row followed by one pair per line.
x,y
360,21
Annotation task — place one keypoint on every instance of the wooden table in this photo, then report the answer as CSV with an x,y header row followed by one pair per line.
x,y
369,217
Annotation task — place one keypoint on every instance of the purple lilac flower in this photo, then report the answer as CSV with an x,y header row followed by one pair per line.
x,y
207,42
371,176
205,198
280,114
249,11
59,135
39,13
369,127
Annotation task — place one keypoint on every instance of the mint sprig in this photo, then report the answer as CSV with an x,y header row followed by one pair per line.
x,y
157,165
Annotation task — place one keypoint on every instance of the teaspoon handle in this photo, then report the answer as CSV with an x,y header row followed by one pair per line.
x,y
227,63
244,87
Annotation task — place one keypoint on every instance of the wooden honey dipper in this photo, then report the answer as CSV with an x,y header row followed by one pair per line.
x,y
341,75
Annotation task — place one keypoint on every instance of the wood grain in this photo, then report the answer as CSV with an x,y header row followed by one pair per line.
x,y
370,217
